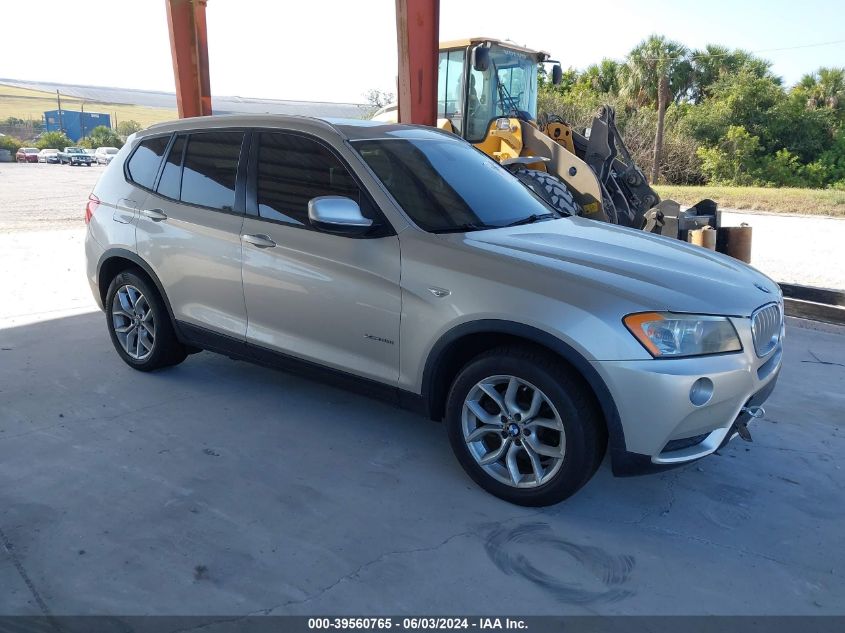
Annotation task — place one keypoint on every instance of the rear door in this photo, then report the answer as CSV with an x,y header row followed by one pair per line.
x,y
331,299
188,229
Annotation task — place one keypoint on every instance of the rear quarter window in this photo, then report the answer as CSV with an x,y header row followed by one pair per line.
x,y
143,166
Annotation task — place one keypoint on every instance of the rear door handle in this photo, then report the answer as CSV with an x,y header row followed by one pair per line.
x,y
156,215
260,240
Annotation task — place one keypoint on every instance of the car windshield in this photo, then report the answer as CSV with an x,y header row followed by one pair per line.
x,y
110,150
30,150
447,185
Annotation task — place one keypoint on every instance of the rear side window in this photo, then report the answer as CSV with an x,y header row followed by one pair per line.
x,y
211,168
292,170
143,166
170,183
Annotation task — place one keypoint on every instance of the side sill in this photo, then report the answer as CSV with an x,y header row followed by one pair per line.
x,y
203,338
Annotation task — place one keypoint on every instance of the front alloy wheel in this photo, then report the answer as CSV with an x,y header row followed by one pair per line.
x,y
513,431
524,425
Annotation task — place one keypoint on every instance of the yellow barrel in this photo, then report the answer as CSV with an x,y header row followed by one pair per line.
x,y
704,237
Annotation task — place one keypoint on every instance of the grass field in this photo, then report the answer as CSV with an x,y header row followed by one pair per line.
x,y
785,200
31,104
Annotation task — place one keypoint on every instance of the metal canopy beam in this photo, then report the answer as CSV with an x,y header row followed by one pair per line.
x,y
418,31
189,48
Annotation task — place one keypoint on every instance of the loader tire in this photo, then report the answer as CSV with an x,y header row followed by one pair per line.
x,y
553,190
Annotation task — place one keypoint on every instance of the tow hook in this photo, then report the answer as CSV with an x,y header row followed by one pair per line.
x,y
742,428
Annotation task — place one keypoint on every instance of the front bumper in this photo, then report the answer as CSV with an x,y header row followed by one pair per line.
x,y
662,426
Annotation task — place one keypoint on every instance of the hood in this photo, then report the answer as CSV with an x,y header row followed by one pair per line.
x,y
652,271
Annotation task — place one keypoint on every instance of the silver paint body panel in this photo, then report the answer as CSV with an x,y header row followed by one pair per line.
x,y
366,306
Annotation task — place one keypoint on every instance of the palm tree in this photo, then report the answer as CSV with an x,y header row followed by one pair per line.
x,y
825,87
715,62
657,72
602,77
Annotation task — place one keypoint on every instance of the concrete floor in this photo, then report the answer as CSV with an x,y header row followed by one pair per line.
x,y
218,487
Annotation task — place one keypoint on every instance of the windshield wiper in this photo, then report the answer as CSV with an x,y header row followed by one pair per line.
x,y
531,219
465,228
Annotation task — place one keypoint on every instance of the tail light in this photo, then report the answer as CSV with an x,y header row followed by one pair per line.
x,y
93,203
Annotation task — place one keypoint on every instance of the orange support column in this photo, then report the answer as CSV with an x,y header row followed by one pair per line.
x,y
418,32
189,48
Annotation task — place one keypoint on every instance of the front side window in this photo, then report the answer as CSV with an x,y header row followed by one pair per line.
x,y
292,170
211,169
448,185
143,166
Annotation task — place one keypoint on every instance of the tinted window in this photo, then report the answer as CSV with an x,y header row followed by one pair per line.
x,y
211,167
170,182
448,185
143,166
292,170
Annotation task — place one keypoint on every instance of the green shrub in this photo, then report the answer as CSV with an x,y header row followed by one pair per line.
x,y
734,161
101,136
10,143
53,140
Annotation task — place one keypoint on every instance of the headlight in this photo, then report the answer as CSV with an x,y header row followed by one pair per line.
x,y
668,335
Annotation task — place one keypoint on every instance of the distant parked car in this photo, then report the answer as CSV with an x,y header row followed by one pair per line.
x,y
105,154
75,156
48,156
5,156
27,155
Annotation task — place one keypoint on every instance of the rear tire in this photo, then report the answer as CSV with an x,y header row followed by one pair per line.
x,y
551,189
537,439
139,324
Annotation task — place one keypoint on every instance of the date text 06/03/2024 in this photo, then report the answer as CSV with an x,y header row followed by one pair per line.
x,y
419,623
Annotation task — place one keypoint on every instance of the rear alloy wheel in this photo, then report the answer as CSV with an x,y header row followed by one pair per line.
x,y
140,325
134,322
524,427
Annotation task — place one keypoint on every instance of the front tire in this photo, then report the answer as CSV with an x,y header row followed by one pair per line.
x,y
139,324
523,427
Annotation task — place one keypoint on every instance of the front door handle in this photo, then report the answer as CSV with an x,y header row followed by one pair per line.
x,y
260,240
156,215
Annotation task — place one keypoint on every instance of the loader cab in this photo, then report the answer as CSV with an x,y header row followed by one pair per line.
x,y
481,80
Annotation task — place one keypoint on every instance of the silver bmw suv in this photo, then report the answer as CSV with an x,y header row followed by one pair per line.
x,y
402,259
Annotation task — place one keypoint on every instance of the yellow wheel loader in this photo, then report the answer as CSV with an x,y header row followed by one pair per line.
x,y
487,94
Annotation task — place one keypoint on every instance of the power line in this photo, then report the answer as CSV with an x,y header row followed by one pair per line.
x,y
705,55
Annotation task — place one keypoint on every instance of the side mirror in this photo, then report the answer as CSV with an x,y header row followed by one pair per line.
x,y
557,74
336,214
480,58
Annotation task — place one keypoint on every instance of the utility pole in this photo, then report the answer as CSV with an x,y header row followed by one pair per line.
x,y
59,99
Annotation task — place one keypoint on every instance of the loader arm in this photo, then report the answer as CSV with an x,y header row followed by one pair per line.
x,y
568,167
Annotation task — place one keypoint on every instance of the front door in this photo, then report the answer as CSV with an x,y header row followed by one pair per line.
x,y
329,299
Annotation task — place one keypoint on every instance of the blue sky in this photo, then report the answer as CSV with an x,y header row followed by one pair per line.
x,y
334,50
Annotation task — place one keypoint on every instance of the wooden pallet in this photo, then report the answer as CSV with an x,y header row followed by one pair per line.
x,y
818,304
